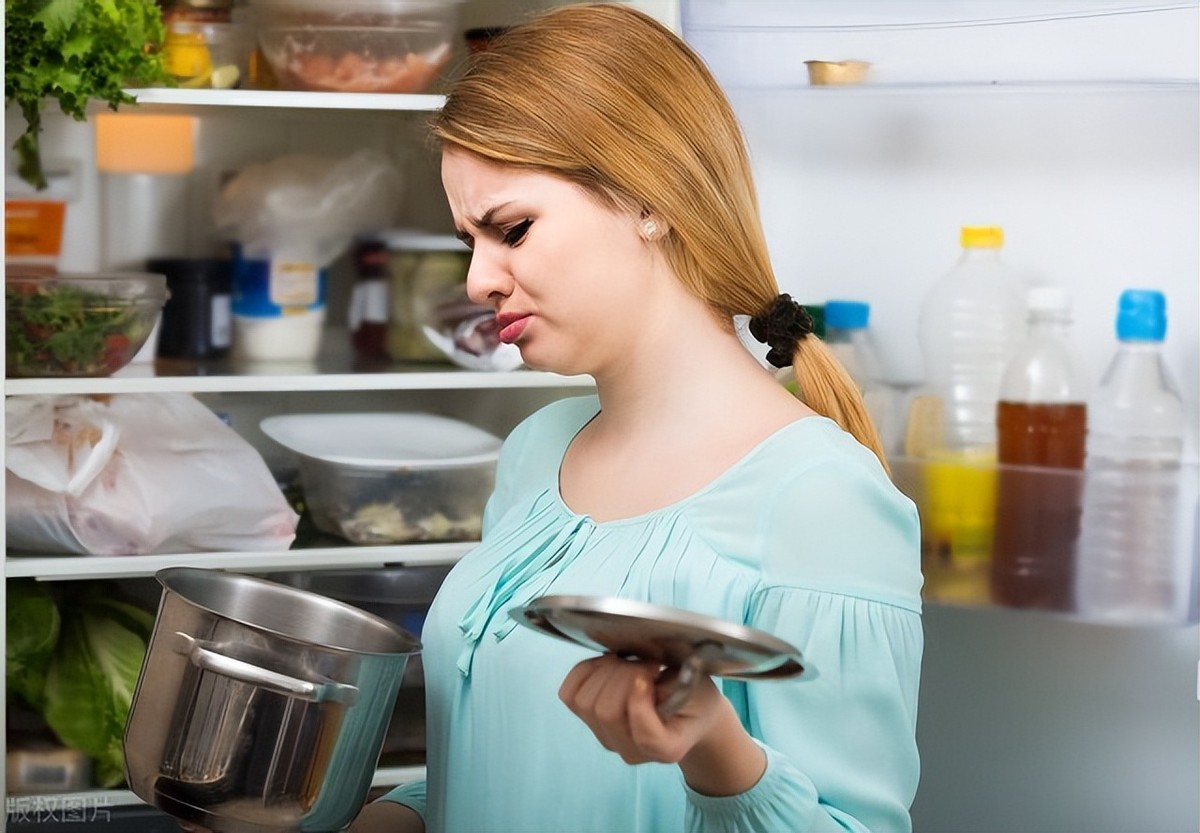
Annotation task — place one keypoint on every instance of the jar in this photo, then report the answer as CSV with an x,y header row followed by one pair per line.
x,y
425,271
196,319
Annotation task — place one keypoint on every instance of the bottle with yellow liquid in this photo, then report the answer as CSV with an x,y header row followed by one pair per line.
x,y
970,325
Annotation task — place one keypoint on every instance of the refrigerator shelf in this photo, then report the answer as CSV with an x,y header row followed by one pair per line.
x,y
80,567
176,98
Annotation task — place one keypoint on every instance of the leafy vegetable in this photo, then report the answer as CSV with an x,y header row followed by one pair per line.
x,y
75,51
59,330
92,676
32,623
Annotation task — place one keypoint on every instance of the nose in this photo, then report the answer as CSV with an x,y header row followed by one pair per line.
x,y
488,279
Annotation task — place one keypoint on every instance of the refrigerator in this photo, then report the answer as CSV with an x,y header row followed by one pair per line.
x,y
1073,124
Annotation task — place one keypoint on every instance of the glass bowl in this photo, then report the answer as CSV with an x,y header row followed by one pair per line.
x,y
78,324
370,46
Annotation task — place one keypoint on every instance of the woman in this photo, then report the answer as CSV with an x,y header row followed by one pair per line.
x,y
601,179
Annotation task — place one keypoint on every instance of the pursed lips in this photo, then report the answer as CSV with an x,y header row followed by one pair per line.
x,y
511,325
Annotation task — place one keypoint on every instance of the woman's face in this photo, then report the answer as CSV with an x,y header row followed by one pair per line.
x,y
569,277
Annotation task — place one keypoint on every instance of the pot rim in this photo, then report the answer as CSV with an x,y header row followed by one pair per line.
x,y
411,644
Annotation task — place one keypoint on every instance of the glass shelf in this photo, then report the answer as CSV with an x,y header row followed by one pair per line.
x,y
1188,86
186,99
1016,537
79,567
327,374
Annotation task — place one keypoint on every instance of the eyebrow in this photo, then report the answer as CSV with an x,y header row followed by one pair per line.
x,y
483,222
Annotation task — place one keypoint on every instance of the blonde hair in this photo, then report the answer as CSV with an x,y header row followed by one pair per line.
x,y
606,97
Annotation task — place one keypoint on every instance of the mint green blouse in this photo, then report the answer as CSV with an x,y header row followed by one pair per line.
x,y
805,538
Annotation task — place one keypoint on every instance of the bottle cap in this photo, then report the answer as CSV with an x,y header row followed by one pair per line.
x,y
1142,315
981,237
847,315
1049,299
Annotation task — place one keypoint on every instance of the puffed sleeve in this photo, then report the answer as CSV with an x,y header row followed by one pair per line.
x,y
841,582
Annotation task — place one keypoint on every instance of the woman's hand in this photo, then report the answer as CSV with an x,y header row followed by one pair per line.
x,y
618,700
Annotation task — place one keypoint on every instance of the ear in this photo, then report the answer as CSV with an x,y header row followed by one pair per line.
x,y
651,228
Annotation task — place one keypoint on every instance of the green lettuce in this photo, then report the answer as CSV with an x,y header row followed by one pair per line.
x,y
91,678
76,51
32,623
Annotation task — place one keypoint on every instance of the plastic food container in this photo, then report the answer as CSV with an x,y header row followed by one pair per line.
x,y
78,324
369,46
379,478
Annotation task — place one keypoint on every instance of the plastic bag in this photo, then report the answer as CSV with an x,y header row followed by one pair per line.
x,y
307,208
132,474
467,333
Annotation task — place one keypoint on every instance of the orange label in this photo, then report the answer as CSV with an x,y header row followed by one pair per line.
x,y
33,227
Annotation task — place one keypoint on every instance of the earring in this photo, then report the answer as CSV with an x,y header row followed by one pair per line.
x,y
650,230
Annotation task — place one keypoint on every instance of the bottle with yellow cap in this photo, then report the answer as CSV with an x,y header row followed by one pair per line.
x,y
970,325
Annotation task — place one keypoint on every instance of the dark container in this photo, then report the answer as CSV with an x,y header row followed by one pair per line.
x,y
196,320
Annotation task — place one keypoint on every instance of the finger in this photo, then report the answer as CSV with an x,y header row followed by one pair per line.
x,y
568,692
596,695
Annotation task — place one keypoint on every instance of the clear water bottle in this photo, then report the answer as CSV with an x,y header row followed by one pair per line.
x,y
971,323
848,336
1129,564
1041,423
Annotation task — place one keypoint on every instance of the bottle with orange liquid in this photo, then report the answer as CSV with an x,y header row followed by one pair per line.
x,y
1041,424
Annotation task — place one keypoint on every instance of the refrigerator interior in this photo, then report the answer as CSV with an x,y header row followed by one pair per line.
x,y
1028,722
1074,126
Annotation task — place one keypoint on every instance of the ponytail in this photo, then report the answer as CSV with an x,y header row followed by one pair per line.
x,y
825,386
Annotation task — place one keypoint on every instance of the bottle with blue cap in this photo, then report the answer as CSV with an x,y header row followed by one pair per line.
x,y
849,338
1129,567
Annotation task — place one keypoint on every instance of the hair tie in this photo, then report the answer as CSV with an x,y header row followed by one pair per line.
x,y
781,326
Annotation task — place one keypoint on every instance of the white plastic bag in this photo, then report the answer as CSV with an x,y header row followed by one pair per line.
x,y
132,474
307,208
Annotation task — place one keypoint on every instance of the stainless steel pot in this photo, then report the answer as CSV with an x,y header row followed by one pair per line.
x,y
261,708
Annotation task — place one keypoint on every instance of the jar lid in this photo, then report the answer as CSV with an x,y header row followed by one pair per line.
x,y
199,4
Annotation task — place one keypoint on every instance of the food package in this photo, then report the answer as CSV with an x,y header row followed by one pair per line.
x,y
132,474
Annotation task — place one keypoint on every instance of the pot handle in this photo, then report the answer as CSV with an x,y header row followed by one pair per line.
x,y
683,679
246,672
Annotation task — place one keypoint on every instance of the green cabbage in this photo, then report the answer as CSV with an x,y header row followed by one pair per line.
x,y
32,623
92,675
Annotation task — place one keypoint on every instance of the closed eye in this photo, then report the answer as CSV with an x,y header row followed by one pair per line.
x,y
517,233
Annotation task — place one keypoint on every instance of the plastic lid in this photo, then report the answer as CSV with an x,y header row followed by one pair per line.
x,y
847,315
1142,315
981,237
383,440
1049,299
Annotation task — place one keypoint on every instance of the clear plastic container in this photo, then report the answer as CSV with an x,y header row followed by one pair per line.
x,y
1135,568
391,478
848,335
1042,424
373,46
970,325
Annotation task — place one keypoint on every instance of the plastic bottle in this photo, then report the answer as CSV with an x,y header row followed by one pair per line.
x,y
970,324
1129,570
1041,423
848,336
